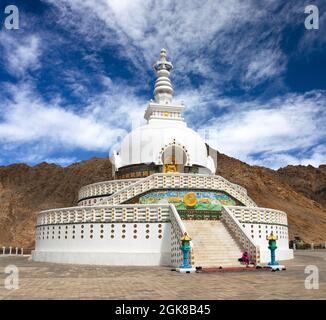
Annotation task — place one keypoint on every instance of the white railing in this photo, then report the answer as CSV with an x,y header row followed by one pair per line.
x,y
240,234
104,188
178,181
177,230
236,186
12,251
258,215
113,213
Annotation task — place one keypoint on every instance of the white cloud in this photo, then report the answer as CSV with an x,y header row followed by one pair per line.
x,y
198,35
269,133
316,157
27,120
20,53
265,65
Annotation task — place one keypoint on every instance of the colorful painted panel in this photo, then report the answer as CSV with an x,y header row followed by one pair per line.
x,y
190,200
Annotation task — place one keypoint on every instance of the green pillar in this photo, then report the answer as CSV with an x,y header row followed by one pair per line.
x,y
272,247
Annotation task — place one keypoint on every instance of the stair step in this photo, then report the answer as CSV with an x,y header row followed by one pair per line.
x,y
213,244
217,260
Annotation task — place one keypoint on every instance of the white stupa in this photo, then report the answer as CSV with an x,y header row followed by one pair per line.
x,y
165,185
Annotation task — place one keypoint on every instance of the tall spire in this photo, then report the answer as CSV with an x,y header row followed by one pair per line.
x,y
163,108
163,90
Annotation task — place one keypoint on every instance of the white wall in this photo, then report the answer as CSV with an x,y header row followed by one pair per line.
x,y
105,243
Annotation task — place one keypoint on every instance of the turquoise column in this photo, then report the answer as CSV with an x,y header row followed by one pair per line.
x,y
185,248
272,247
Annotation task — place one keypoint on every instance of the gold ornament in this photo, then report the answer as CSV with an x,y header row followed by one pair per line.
x,y
190,199
170,165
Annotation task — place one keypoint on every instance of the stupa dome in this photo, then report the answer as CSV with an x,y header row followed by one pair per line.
x,y
147,144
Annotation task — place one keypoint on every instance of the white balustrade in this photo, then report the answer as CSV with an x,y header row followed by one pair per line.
x,y
104,188
193,180
258,215
177,230
109,213
181,181
240,234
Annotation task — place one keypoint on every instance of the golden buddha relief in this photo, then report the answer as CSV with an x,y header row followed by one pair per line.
x,y
170,165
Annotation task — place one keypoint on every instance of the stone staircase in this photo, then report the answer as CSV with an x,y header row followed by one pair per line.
x,y
213,244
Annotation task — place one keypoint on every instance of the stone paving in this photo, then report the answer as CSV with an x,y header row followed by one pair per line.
x,y
54,281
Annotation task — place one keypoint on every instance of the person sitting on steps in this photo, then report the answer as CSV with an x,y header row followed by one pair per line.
x,y
245,258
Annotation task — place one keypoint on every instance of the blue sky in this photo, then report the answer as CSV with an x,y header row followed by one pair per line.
x,y
77,75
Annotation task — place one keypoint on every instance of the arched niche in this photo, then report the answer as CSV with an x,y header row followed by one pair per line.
x,y
174,159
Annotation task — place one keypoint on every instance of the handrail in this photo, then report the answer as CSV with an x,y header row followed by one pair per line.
x,y
88,190
109,181
241,234
178,229
178,219
264,215
173,180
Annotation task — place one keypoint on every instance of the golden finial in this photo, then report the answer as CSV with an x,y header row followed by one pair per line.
x,y
271,237
185,237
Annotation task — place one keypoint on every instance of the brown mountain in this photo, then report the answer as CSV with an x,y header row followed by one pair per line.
x,y
309,181
25,190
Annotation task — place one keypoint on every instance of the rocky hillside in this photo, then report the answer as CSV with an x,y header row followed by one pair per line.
x,y
309,181
25,190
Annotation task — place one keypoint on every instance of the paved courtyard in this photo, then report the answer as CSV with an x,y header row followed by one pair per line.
x,y
54,281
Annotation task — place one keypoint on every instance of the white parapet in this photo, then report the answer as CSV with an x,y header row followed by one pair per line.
x,y
104,188
117,191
